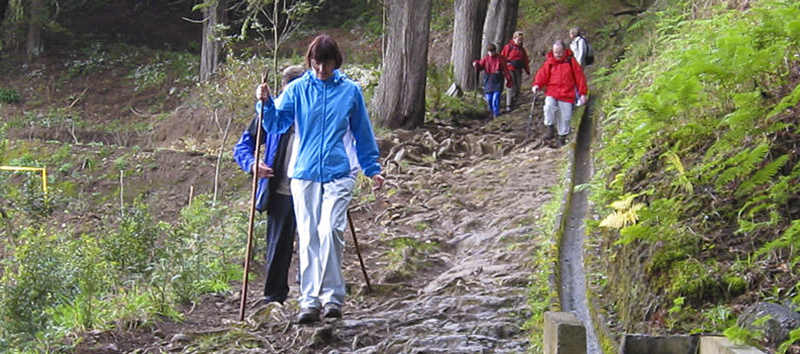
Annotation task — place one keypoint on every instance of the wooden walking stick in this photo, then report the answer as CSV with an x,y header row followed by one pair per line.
x,y
358,250
254,195
530,118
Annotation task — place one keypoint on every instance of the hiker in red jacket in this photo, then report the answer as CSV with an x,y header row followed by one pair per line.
x,y
560,74
496,70
517,58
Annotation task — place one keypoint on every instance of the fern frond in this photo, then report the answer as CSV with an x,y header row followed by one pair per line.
x,y
755,205
790,100
615,220
634,233
626,213
683,180
742,164
746,226
623,203
673,158
762,176
790,238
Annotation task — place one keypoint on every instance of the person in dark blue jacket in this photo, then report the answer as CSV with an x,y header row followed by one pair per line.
x,y
326,108
273,196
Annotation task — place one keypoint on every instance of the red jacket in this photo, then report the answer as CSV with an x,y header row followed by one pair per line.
x,y
515,53
560,77
495,64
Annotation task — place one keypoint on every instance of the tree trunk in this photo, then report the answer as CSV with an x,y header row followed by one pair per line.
x,y
501,20
400,97
467,28
33,45
211,49
3,7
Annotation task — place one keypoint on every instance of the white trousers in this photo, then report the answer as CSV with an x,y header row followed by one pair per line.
x,y
321,212
553,106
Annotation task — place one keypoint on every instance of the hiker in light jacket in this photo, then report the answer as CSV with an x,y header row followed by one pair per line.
x,y
560,74
578,45
496,74
323,105
273,195
517,59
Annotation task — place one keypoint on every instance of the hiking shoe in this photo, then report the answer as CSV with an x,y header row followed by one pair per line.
x,y
509,109
332,311
562,140
308,315
551,133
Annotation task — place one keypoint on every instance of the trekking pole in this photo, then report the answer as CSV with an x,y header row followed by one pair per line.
x,y
477,84
254,195
530,118
358,250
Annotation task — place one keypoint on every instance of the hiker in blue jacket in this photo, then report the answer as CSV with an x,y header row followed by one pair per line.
x,y
323,105
273,195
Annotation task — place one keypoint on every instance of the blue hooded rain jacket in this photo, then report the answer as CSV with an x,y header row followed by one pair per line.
x,y
323,111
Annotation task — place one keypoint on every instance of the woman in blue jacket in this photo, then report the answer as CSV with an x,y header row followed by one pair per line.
x,y
324,106
274,196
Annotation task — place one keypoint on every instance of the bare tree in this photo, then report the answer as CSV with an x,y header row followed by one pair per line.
x,y
501,20
36,20
3,7
467,29
400,96
282,18
215,14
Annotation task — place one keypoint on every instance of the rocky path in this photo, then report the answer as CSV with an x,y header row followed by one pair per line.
x,y
448,245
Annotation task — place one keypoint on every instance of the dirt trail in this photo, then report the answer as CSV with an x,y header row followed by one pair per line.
x,y
448,246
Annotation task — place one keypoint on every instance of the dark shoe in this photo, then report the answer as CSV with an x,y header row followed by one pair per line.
x,y
562,140
551,133
332,311
308,315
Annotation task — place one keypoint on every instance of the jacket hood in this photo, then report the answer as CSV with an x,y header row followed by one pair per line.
x,y
337,78
552,58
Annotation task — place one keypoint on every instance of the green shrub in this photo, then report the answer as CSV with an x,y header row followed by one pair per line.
x,y
197,254
35,278
9,95
131,247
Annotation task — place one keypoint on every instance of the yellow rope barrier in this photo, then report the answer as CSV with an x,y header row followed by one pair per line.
x,y
43,169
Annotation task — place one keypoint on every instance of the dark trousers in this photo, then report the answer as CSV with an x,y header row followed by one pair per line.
x,y
281,227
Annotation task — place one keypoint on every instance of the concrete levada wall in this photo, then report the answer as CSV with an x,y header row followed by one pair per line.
x,y
565,334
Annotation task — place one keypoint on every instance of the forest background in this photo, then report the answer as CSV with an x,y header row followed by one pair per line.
x,y
133,109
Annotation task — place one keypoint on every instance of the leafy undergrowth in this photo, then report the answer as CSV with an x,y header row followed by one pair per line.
x,y
698,170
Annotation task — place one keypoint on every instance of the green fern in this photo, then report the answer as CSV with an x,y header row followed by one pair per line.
x,y
790,100
794,337
789,239
746,226
682,180
762,176
742,164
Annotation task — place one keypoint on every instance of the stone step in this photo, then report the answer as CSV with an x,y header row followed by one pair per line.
x,y
565,334
722,345
643,344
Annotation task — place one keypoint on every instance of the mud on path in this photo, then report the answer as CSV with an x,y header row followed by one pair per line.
x,y
447,244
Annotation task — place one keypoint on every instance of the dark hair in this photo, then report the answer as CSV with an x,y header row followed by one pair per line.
x,y
491,47
324,48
